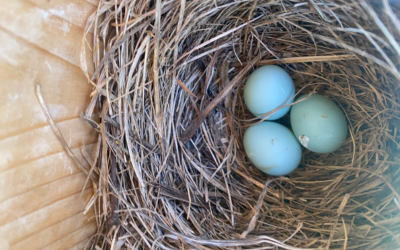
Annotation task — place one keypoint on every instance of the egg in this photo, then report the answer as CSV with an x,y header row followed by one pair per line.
x,y
318,123
272,148
268,88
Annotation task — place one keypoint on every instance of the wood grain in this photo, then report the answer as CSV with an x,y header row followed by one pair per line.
x,y
40,187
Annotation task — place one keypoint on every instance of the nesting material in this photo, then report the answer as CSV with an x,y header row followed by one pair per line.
x,y
168,104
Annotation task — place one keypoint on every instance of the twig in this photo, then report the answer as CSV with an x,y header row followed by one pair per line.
x,y
254,219
57,132
301,59
195,124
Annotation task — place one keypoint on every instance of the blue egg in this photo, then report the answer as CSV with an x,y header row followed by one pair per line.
x,y
272,148
318,123
268,88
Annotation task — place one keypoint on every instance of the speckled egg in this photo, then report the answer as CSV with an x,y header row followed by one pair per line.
x,y
318,123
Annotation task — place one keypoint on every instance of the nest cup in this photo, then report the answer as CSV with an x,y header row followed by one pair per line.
x,y
171,171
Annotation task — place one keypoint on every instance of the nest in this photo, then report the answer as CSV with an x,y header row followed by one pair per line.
x,y
170,171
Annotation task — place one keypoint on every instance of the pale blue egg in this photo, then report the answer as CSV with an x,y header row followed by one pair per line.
x,y
318,123
272,148
268,88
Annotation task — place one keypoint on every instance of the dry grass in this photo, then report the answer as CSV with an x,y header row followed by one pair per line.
x,y
172,172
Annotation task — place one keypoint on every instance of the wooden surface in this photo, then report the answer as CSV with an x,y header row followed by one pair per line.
x,y
41,206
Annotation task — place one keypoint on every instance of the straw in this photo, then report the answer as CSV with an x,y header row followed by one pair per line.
x,y
168,104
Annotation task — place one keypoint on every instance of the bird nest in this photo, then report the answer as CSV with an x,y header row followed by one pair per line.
x,y
170,170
